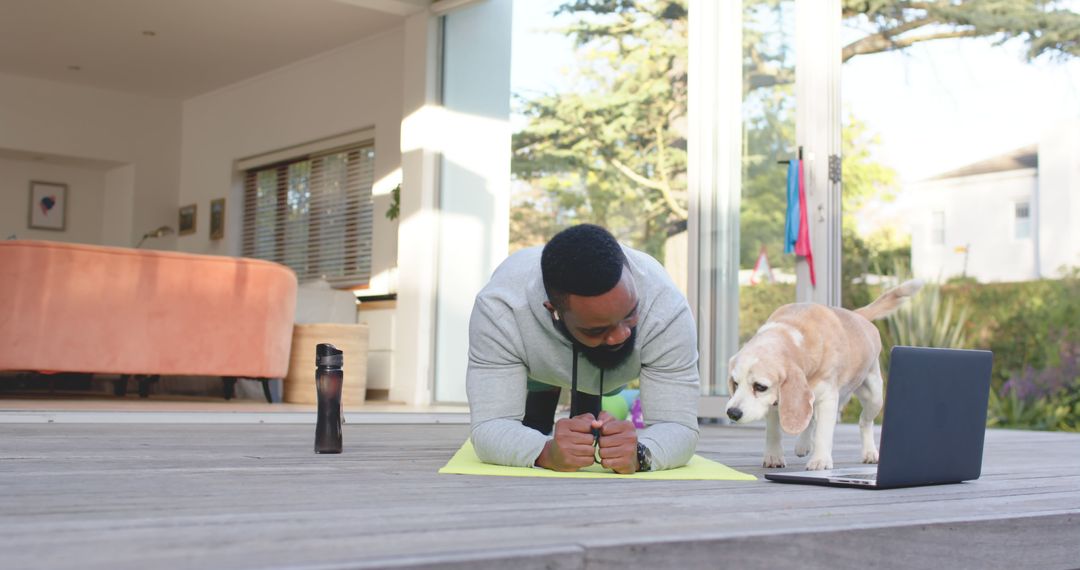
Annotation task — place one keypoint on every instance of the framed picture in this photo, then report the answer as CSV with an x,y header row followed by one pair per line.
x,y
217,218
48,206
187,219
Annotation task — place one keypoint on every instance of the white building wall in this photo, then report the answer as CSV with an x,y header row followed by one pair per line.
x,y
358,86
979,216
137,137
1059,199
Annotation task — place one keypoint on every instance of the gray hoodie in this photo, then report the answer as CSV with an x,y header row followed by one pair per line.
x,y
512,339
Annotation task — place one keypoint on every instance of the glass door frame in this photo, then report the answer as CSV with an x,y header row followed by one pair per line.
x,y
715,170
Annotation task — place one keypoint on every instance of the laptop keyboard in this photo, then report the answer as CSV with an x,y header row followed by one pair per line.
x,y
867,476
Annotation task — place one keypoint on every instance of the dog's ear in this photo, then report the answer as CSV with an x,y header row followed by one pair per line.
x,y
730,378
796,401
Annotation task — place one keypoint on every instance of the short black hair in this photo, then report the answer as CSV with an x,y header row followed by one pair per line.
x,y
581,260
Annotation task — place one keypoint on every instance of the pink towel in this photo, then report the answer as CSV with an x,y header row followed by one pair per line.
x,y
802,244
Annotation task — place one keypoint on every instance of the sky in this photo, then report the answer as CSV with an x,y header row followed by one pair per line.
x,y
540,58
935,106
942,105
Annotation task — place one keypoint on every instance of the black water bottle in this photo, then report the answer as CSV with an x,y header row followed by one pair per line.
x,y
328,378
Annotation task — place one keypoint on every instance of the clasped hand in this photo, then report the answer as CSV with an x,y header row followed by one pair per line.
x,y
572,446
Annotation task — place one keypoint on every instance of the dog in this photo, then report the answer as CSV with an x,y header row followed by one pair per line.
x,y
803,365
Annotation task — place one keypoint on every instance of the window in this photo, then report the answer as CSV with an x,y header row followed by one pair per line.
x,y
1023,220
937,229
313,214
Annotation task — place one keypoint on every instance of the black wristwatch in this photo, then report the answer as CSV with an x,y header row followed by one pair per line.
x,y
644,458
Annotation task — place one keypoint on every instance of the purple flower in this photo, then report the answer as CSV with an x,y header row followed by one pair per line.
x,y
1031,384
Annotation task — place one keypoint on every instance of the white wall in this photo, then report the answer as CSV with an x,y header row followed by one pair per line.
x,y
417,235
85,200
82,123
979,214
1059,198
355,87
119,209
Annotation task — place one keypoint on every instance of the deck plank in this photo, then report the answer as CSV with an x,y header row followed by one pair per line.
x,y
255,496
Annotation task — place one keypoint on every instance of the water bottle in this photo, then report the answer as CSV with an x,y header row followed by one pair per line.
x,y
328,379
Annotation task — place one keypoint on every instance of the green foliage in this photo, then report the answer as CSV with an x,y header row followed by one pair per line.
x,y
1048,27
613,151
1031,327
866,256
927,319
1021,323
757,302
768,136
394,210
865,180
1009,410
1057,412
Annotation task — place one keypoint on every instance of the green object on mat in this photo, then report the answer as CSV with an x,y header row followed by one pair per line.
x,y
616,406
465,462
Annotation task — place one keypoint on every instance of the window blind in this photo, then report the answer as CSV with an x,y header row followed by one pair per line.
x,y
314,214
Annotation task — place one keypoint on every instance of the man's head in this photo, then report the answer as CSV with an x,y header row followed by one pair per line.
x,y
591,297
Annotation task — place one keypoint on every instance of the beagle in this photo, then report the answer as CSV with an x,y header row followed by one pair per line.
x,y
803,365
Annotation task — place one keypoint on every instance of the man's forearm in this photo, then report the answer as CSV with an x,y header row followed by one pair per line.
x,y
670,444
507,442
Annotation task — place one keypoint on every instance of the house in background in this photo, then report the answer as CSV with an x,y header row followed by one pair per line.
x,y
1008,218
287,109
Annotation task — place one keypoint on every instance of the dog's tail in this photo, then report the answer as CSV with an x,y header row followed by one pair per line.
x,y
890,300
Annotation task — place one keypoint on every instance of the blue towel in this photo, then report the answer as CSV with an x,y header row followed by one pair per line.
x,y
791,222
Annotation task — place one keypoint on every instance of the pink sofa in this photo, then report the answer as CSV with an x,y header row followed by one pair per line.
x,y
92,309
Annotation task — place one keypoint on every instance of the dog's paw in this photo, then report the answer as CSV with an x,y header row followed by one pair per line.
x,y
773,460
804,445
870,456
819,464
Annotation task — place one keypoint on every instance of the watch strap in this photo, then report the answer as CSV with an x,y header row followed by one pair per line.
x,y
644,457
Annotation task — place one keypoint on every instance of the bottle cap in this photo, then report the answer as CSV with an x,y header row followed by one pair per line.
x,y
328,355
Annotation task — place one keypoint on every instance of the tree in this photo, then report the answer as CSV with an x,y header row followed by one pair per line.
x,y
610,152
613,151
1045,26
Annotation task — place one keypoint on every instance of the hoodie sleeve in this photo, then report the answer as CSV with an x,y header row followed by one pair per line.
x,y
496,386
670,385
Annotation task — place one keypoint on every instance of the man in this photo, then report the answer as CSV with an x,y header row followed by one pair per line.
x,y
583,295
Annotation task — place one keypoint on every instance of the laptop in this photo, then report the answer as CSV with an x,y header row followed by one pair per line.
x,y
935,420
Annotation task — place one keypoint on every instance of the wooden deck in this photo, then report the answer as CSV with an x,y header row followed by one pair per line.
x,y
255,496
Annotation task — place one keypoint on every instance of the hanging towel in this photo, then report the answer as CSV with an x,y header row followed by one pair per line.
x,y
802,244
791,221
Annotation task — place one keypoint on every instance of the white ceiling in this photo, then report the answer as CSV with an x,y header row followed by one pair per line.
x,y
198,46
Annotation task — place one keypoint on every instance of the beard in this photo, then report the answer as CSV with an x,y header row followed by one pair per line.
x,y
604,356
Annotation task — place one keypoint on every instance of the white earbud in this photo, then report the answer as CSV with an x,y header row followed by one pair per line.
x,y
555,314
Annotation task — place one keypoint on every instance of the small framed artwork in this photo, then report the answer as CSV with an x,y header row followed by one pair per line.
x,y
217,218
48,206
187,219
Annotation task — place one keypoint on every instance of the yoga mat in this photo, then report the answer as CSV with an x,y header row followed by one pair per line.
x,y
465,462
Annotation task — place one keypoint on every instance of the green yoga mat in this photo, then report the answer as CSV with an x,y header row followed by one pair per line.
x,y
465,462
